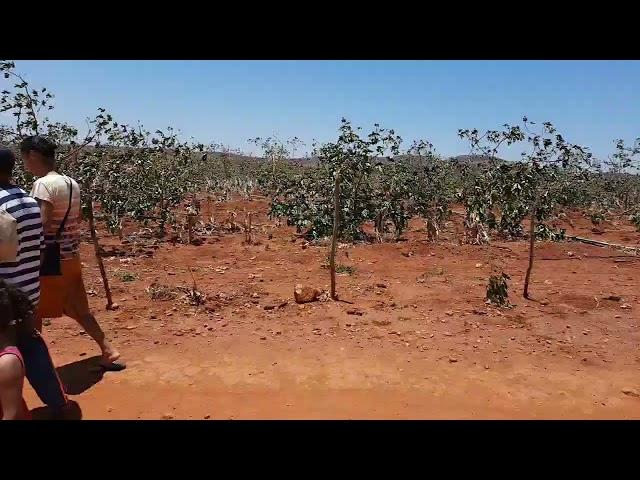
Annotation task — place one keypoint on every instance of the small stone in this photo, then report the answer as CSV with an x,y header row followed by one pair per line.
x,y
114,306
167,416
449,313
132,327
625,306
381,323
478,265
381,285
613,298
453,360
355,311
544,302
263,338
83,354
207,417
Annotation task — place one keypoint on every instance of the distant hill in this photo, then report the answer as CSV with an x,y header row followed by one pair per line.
x,y
476,159
236,157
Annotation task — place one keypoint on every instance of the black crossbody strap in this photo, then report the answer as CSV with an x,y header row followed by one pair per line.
x,y
66,215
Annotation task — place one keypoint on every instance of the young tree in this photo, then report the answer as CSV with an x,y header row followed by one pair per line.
x,y
549,153
349,163
531,186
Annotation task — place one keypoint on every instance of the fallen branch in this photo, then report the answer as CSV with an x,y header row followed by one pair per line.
x,y
589,257
599,243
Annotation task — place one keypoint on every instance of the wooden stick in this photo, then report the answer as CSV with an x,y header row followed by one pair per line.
x,y
190,221
532,243
334,240
98,250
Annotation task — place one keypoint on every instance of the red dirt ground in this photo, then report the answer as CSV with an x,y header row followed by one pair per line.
x,y
425,346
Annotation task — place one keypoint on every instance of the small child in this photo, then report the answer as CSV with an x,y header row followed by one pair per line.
x,y
15,312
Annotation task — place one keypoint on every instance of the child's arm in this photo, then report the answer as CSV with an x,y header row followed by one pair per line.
x,y
11,381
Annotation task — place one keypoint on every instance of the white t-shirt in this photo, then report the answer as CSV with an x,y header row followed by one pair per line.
x,y
54,188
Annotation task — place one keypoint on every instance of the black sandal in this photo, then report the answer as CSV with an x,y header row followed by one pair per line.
x,y
114,366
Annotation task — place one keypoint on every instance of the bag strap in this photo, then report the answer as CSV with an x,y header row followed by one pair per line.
x,y
66,215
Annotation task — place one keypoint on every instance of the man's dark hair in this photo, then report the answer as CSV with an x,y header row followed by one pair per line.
x,y
7,161
41,145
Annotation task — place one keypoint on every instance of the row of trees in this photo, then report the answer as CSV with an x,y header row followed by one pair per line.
x,y
129,171
357,179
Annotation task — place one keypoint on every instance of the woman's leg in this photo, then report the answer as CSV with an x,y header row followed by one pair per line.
x,y
77,307
90,325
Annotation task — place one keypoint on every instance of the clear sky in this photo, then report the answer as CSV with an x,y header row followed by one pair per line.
x,y
591,102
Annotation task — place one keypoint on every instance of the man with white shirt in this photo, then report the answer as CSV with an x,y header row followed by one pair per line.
x,y
59,199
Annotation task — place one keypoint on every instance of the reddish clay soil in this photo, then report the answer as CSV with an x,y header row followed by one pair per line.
x,y
416,341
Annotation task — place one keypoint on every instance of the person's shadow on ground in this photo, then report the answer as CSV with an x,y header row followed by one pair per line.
x,y
71,412
78,377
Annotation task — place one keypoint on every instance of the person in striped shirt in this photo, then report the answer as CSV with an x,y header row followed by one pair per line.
x,y
59,196
24,274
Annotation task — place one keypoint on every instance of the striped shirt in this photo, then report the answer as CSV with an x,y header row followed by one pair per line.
x,y
54,188
24,273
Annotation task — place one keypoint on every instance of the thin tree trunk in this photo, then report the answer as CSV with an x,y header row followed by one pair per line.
x,y
98,249
190,221
532,241
334,240
247,228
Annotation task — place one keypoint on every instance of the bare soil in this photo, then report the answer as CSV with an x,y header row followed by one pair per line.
x,y
412,338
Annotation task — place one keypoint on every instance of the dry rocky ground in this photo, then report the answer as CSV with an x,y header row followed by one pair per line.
x,y
412,338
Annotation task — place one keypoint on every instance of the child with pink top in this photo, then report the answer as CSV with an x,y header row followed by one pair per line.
x,y
15,313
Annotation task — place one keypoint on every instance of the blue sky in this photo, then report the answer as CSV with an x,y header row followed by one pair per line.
x,y
591,102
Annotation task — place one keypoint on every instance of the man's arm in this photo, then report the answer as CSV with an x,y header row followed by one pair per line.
x,y
46,213
11,381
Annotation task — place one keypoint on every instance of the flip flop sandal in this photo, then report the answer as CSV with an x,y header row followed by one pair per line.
x,y
116,366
